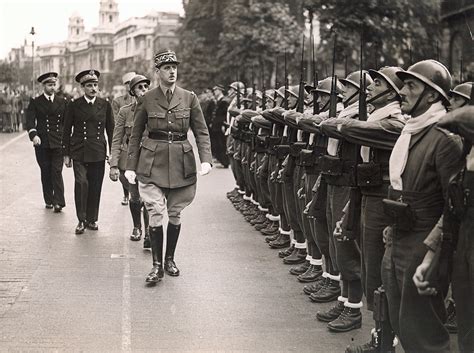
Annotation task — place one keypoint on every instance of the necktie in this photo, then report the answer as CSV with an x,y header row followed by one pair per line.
x,y
50,101
90,103
168,95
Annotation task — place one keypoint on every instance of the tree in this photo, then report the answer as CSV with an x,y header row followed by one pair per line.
x,y
8,73
396,32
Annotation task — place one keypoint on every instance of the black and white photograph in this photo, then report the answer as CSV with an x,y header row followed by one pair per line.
x,y
207,176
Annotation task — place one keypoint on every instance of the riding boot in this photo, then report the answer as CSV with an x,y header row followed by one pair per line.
x,y
156,238
172,234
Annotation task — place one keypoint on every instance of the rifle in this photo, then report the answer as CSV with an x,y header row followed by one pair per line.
x,y
285,103
461,69
383,335
254,96
238,91
300,105
362,84
333,97
275,94
264,96
315,80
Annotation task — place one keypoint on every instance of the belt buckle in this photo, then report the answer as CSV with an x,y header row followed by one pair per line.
x,y
170,137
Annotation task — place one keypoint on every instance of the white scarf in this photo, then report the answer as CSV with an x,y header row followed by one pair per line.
x,y
348,112
391,109
399,156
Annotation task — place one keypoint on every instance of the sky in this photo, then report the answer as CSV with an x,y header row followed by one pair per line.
x,y
50,18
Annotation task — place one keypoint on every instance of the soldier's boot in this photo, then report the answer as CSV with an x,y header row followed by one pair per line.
x,y
146,222
157,272
136,211
273,237
298,270
271,229
312,274
298,256
172,234
251,211
333,313
282,241
372,346
250,215
451,322
350,318
314,287
232,193
260,226
287,252
328,293
259,220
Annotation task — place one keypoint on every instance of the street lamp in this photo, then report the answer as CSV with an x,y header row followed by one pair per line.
x,y
32,32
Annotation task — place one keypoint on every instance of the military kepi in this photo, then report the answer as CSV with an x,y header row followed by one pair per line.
x,y
86,76
165,57
48,77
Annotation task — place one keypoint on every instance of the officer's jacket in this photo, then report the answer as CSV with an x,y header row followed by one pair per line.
x,y
122,132
167,164
120,102
45,119
85,127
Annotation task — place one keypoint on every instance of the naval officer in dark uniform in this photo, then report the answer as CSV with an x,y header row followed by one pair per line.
x,y
88,119
44,122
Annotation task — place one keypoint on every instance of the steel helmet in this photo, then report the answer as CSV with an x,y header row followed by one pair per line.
x,y
464,90
389,74
432,73
293,90
237,85
281,92
354,79
135,81
324,86
269,93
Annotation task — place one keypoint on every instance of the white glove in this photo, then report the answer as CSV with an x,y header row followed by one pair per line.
x,y
131,176
36,141
205,168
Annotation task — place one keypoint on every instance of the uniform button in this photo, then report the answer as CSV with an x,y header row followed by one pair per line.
x,y
57,129
59,115
169,141
97,138
47,130
169,122
85,138
84,132
169,112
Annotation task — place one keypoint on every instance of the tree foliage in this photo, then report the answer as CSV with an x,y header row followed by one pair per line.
x,y
8,73
395,32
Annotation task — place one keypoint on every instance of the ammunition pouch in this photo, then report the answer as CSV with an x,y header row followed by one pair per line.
x,y
296,147
458,195
282,151
306,158
331,165
401,214
273,141
261,144
318,206
369,174
235,133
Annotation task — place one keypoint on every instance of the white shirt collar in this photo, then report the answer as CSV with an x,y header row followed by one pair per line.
x,y
90,100
49,97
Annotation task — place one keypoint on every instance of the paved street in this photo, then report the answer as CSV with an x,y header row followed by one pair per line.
x,y
62,292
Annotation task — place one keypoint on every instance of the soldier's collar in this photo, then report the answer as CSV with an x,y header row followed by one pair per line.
x,y
164,89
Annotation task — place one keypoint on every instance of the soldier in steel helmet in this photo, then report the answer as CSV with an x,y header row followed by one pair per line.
x,y
139,85
420,166
164,163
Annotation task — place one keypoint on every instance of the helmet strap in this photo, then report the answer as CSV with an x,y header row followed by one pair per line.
x,y
350,98
381,94
418,101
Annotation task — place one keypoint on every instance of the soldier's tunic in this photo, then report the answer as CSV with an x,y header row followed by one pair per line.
x,y
165,163
120,102
433,155
380,136
85,126
45,119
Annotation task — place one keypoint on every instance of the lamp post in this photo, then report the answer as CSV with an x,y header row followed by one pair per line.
x,y
32,32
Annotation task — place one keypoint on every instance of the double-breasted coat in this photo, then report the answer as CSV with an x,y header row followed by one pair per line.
x,y
86,142
167,164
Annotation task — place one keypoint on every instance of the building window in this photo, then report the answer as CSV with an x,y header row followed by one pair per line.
x,y
77,31
110,18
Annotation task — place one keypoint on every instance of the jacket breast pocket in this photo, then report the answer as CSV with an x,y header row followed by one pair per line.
x,y
182,119
147,157
156,121
189,162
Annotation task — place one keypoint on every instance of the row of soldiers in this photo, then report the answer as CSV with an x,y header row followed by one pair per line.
x,y
350,177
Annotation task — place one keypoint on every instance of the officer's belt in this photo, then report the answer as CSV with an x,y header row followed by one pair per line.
x,y
167,136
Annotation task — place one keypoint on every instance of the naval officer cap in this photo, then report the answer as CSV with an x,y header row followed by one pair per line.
x,y
87,76
165,57
48,77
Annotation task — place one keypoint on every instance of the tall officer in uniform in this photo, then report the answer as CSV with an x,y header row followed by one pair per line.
x,y
88,118
164,164
44,122
217,128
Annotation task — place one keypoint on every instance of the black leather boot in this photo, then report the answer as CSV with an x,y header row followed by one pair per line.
x,y
156,238
281,242
312,274
313,288
146,222
270,230
331,314
298,256
327,293
286,252
350,319
260,226
298,270
172,234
